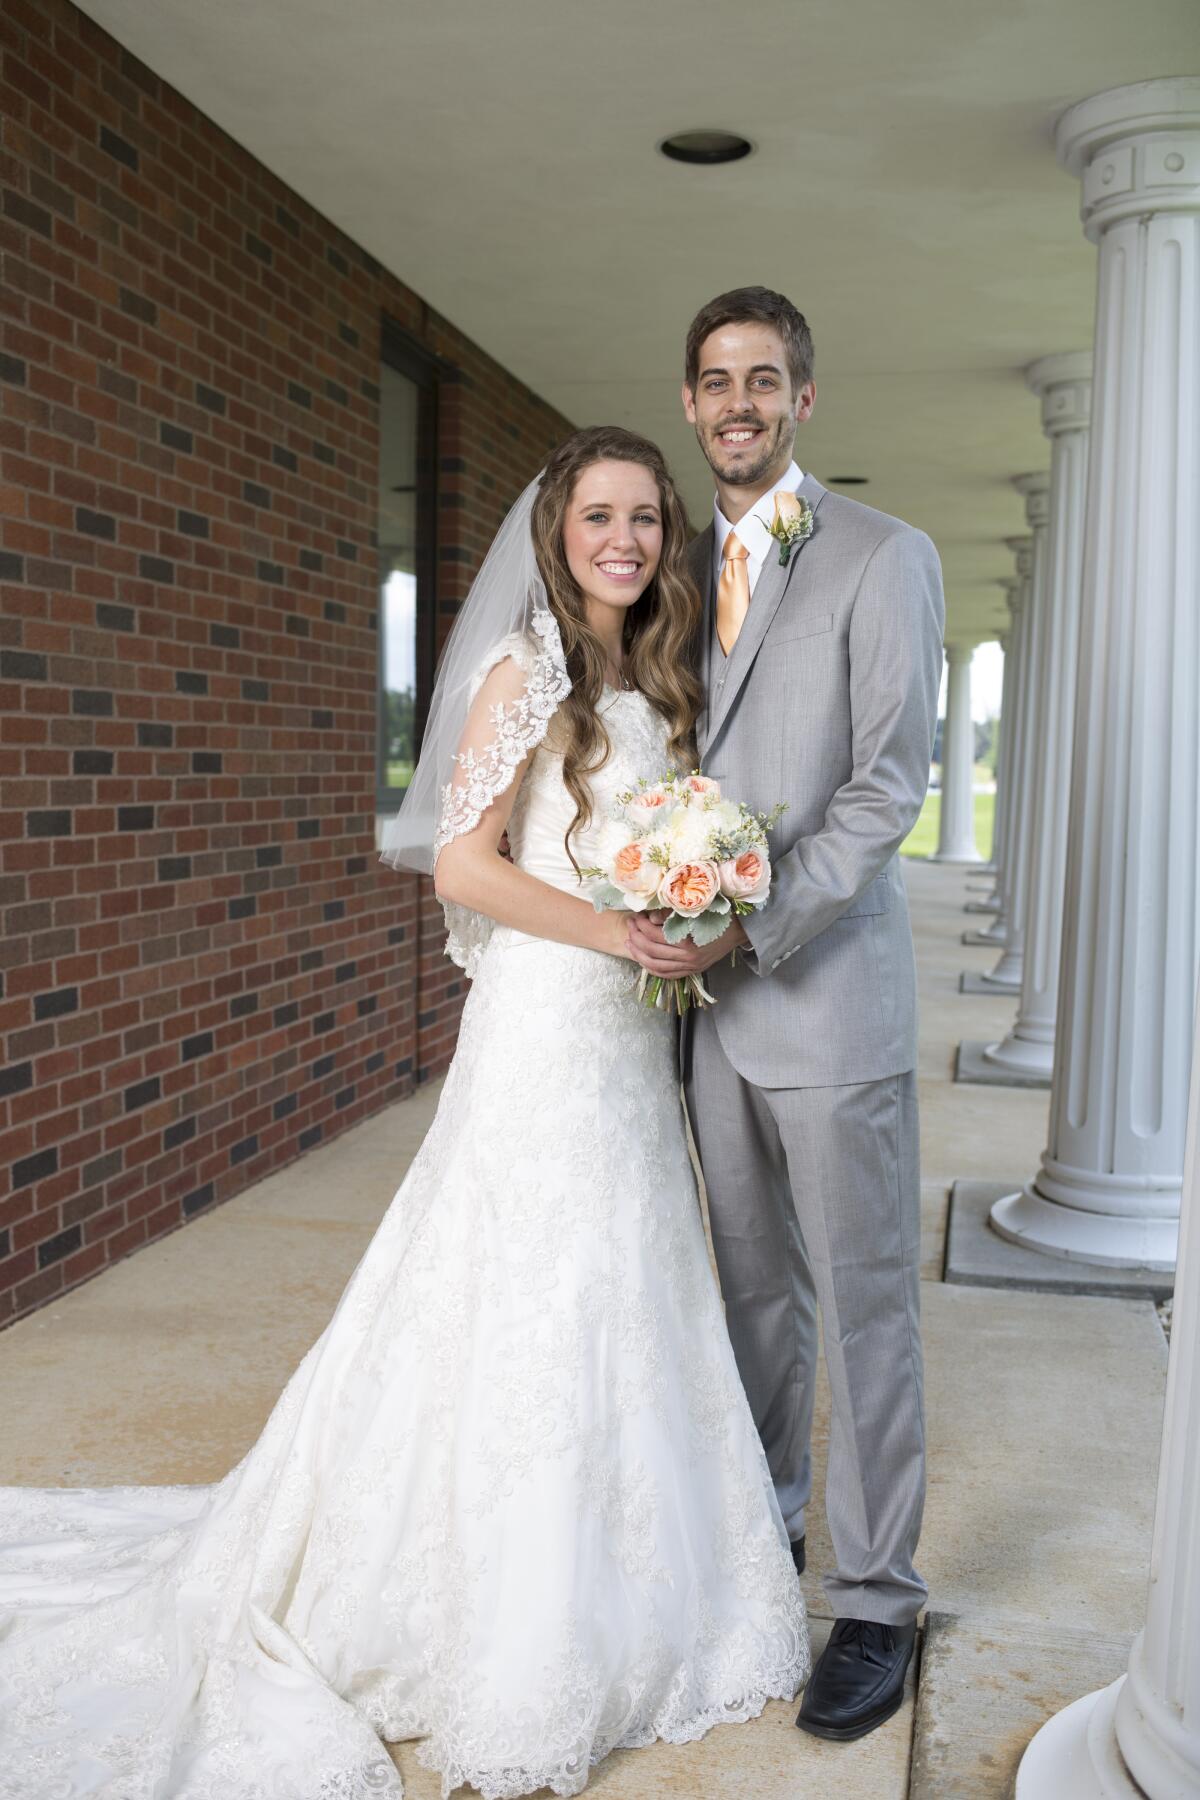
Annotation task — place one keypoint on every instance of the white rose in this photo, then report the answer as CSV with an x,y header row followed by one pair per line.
x,y
689,833
725,818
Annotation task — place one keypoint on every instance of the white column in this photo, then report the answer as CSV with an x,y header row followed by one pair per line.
x,y
1109,1185
1030,567
956,830
1005,642
1004,725
1064,384
1140,1738
1010,721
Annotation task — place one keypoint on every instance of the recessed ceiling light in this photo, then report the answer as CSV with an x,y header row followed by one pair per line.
x,y
849,480
706,147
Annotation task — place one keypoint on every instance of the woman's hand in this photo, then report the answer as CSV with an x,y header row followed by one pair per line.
x,y
649,947
615,934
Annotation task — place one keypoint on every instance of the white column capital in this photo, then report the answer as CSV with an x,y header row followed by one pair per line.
x,y
1136,150
1063,383
1022,549
1034,489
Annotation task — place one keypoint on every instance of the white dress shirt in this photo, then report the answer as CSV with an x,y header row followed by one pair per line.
x,y
754,529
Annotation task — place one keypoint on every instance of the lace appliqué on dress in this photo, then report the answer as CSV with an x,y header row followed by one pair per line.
x,y
519,726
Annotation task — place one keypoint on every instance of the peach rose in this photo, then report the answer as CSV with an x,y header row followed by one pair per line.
x,y
690,887
633,872
703,784
788,511
746,877
644,808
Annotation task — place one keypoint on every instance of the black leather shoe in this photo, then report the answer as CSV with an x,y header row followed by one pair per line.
x,y
798,1554
858,1681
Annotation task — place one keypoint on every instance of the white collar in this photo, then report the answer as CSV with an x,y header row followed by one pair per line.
x,y
754,528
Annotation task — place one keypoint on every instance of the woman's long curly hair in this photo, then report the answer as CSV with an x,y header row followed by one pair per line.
x,y
660,627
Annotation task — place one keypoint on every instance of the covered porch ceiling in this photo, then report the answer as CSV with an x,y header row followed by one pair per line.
x,y
501,159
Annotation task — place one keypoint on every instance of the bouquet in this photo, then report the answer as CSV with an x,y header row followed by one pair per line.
x,y
679,846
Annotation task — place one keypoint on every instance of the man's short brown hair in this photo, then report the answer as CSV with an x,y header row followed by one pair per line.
x,y
757,306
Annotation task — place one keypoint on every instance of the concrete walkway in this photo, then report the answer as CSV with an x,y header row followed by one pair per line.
x,y
1044,1416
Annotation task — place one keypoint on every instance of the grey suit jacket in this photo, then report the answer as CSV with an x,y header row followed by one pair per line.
x,y
828,702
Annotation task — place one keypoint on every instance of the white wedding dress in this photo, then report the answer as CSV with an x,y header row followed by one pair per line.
x,y
511,1503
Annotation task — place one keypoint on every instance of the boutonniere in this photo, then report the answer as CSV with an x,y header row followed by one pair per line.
x,y
792,524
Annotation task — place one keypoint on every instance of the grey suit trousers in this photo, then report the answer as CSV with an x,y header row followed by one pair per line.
x,y
814,1201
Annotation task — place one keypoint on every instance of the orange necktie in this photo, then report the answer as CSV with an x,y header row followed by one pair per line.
x,y
733,592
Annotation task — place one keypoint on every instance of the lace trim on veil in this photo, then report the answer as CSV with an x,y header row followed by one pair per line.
x,y
518,727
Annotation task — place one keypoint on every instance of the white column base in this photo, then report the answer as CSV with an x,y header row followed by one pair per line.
x,y
1075,1756
1112,1241
1158,1738
956,854
1006,974
1025,1055
997,932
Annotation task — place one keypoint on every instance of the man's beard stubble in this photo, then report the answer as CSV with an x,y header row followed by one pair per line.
x,y
753,472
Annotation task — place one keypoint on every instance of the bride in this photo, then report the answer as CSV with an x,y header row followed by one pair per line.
x,y
512,1502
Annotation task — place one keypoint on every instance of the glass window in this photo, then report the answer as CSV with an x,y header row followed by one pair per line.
x,y
406,564
398,577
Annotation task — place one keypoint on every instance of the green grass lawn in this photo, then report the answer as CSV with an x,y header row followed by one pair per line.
x,y
922,839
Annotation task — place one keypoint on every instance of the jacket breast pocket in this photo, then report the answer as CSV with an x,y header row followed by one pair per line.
x,y
875,898
811,626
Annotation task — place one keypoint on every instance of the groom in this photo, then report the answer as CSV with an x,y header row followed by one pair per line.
x,y
822,675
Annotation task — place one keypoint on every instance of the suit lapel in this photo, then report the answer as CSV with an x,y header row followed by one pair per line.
x,y
769,590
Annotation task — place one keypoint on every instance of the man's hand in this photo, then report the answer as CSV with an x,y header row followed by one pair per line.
x,y
650,948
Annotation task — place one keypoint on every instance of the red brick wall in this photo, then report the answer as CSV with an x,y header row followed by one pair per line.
x,y
205,970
